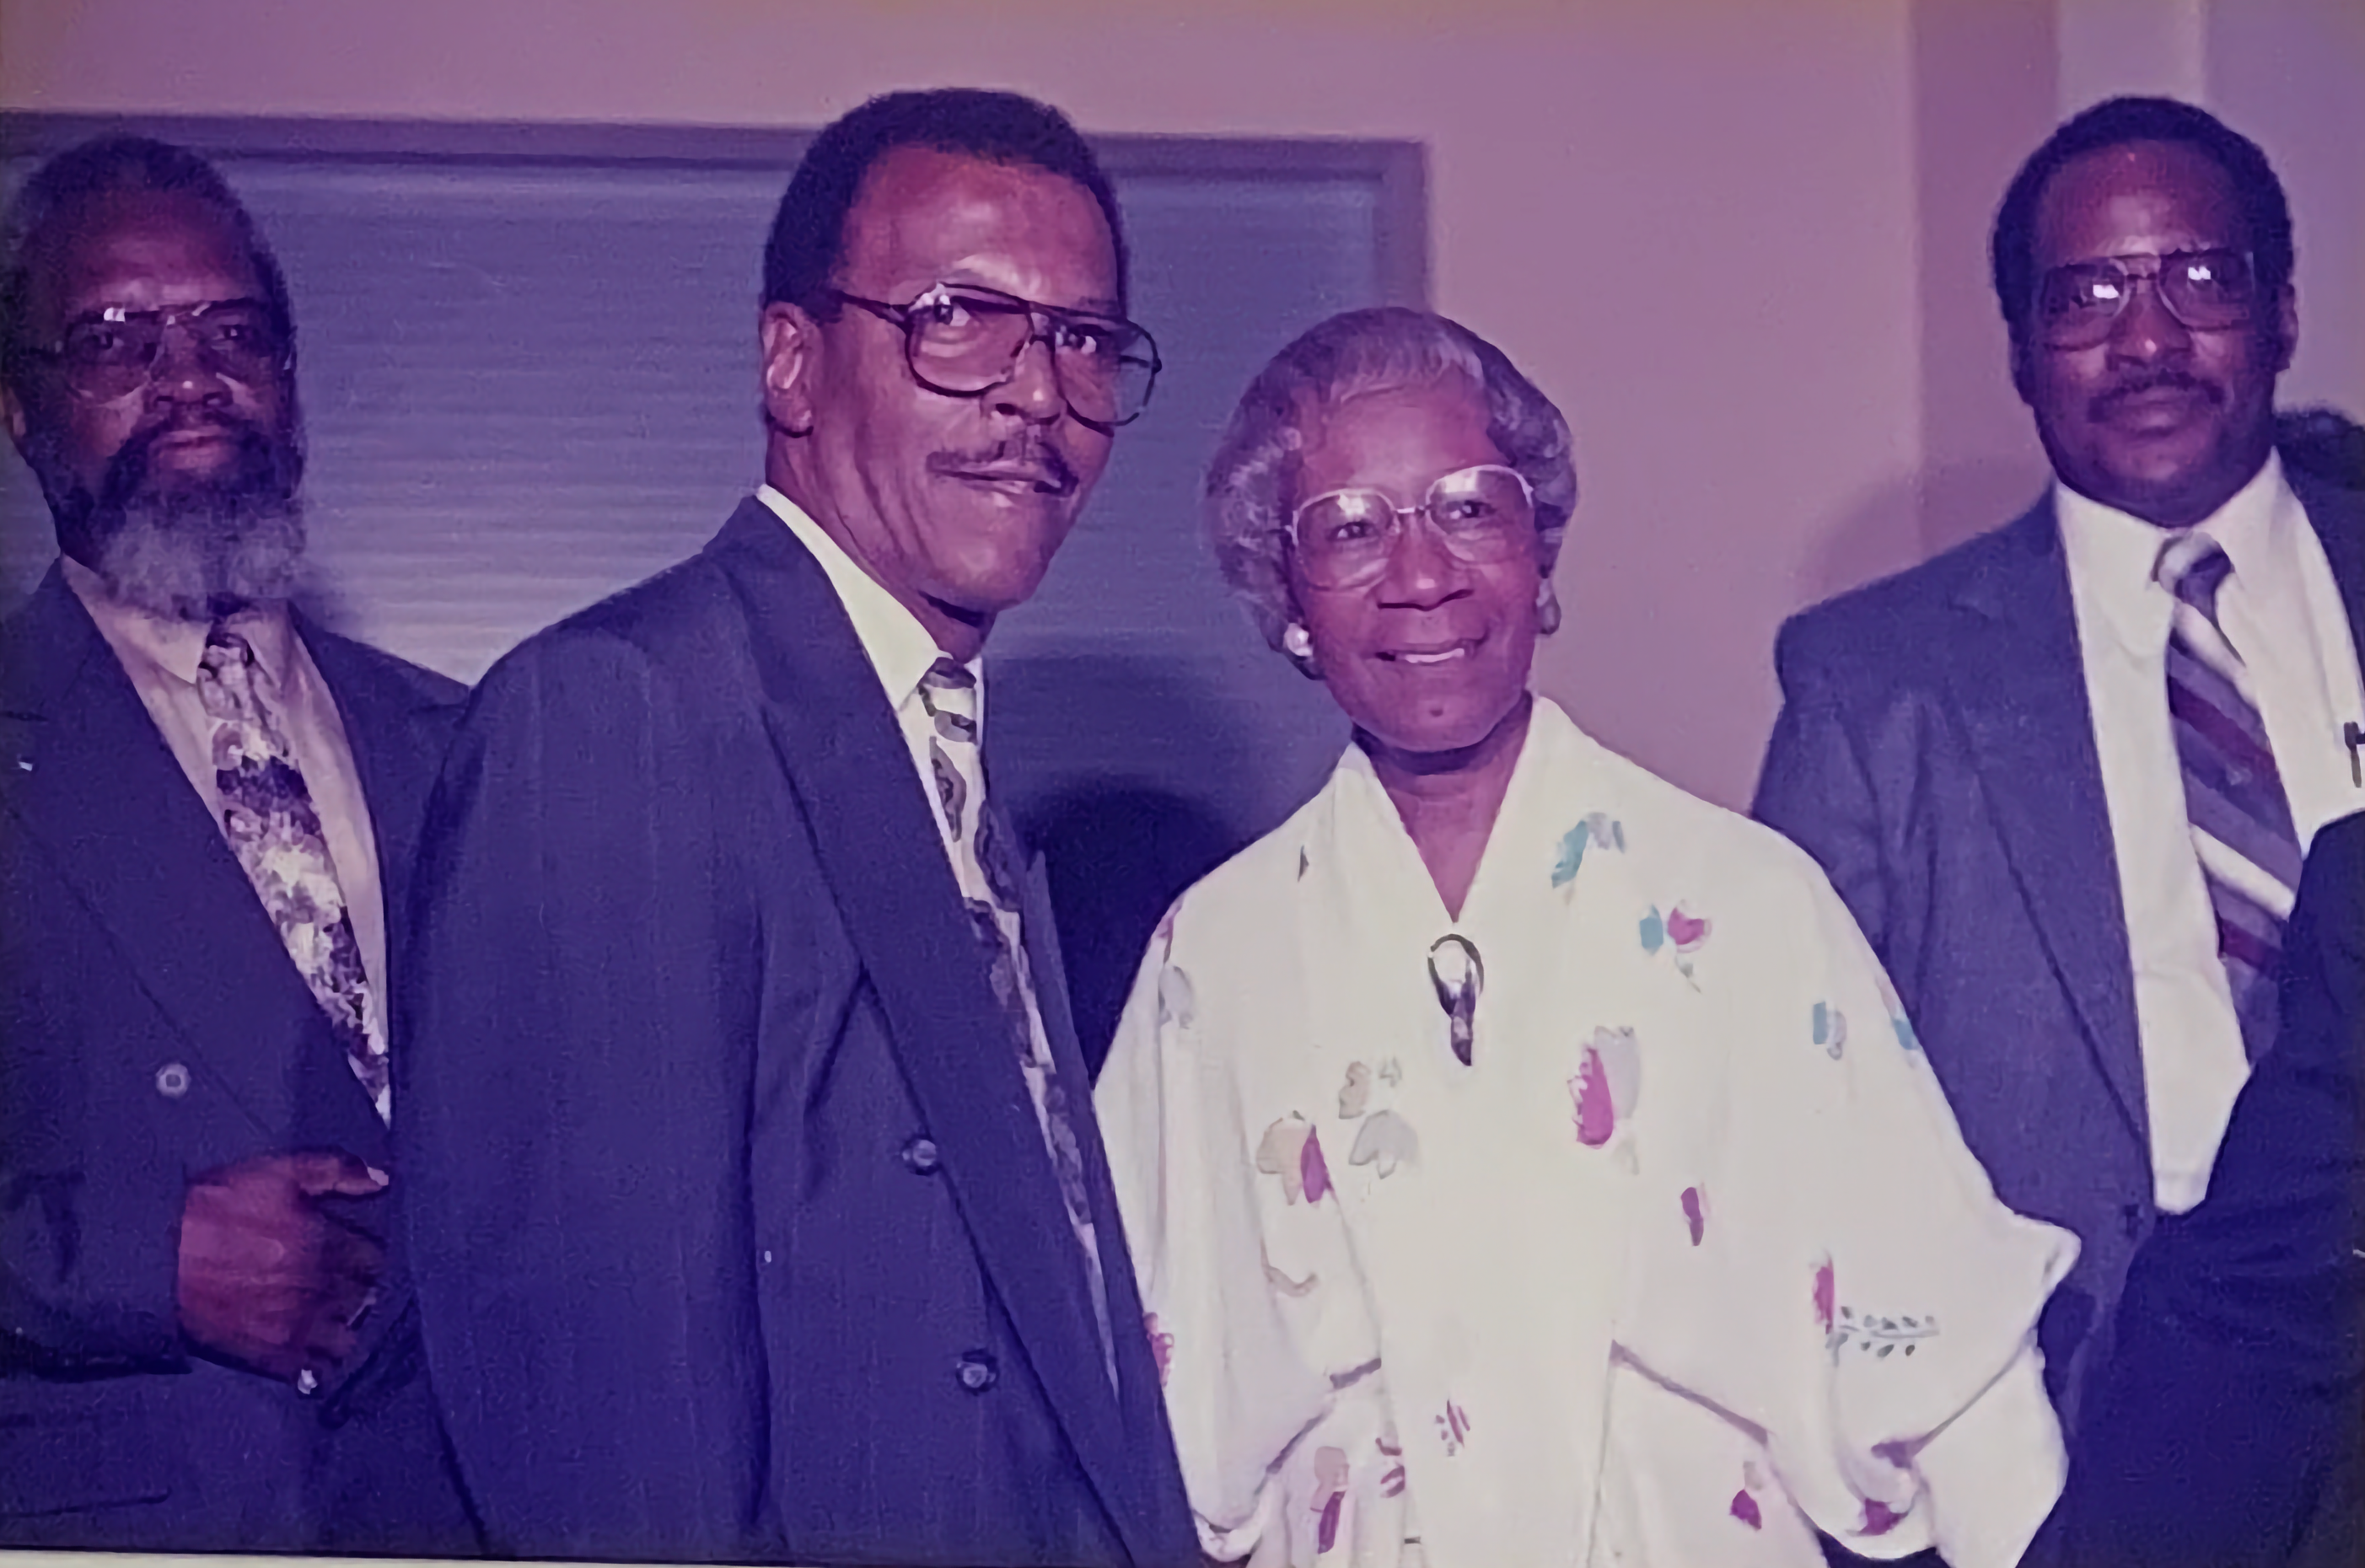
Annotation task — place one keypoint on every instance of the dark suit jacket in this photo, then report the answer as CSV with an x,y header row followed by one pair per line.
x,y
1936,754
2227,1431
152,1027
739,1238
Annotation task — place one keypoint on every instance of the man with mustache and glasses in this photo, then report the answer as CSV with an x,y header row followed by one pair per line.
x,y
765,1213
2065,775
207,806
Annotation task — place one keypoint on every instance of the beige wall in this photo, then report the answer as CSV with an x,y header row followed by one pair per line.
x,y
1736,238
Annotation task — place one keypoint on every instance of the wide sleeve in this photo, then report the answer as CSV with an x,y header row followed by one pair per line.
x,y
1851,1284
1265,1349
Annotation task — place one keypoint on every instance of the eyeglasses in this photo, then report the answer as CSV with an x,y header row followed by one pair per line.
x,y
2207,291
966,341
113,353
1482,515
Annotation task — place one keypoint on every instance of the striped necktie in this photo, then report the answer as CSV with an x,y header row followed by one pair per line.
x,y
2234,796
979,843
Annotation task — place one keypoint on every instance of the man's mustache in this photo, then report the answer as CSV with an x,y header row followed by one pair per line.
x,y
2106,405
1027,457
258,455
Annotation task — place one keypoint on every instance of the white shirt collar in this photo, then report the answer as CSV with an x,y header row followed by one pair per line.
x,y
2112,553
899,648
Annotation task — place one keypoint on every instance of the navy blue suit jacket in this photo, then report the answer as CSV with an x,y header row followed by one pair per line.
x,y
1935,752
2227,1433
737,1238
152,1027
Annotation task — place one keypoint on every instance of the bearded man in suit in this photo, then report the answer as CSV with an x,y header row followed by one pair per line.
x,y
208,810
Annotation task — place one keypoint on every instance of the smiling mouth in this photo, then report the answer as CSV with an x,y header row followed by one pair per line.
x,y
1423,658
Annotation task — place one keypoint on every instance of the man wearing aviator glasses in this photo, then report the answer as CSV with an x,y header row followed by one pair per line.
x,y
775,1223
2065,775
207,806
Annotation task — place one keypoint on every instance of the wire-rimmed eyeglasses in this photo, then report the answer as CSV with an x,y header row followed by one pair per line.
x,y
964,342
111,354
1482,514
2206,291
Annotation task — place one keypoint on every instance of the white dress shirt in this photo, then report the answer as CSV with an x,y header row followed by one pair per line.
x,y
2282,610
899,648
162,656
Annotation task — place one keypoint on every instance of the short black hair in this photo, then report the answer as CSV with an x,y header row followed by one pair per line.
x,y
2115,122
808,238
63,186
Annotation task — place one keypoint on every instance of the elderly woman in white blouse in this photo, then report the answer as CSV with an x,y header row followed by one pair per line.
x,y
1526,1162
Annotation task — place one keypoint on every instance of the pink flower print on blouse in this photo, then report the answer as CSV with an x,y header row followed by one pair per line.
x,y
1290,1150
1164,936
1682,934
1879,1518
1162,1345
1329,1495
1392,1479
1314,1171
1694,1214
1607,1079
1745,1505
1453,1429
1826,1294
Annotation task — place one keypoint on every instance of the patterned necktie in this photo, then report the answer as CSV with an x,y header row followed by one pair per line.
x,y
272,828
989,881
2233,793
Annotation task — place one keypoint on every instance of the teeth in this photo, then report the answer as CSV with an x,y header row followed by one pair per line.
x,y
1454,652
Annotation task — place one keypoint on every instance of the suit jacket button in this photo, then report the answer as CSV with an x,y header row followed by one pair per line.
x,y
976,1370
172,1081
2131,1219
920,1156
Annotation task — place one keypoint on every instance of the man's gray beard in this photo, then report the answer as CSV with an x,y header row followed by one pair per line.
x,y
196,554
184,551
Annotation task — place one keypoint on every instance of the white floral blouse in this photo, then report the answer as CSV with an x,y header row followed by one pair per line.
x,y
1686,1254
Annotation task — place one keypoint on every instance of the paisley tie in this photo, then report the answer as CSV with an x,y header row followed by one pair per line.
x,y
274,829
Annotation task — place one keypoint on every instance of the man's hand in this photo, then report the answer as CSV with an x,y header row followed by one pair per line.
x,y
268,1280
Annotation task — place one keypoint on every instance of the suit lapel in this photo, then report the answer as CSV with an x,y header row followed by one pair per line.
x,y
879,849
96,786
2018,679
397,733
2338,517
1138,1382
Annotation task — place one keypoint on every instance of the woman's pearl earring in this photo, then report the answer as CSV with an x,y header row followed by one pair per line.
x,y
1297,642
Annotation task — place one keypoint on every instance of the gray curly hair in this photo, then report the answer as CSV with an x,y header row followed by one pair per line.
x,y
1252,478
